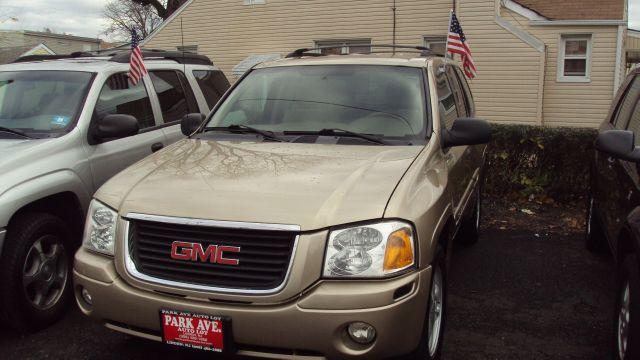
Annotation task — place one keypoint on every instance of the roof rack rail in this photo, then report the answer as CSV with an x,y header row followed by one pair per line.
x,y
424,50
27,58
123,56
177,56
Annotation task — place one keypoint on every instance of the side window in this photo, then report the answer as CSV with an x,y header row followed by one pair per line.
x,y
213,85
627,105
457,91
119,96
634,124
446,99
192,104
171,95
468,96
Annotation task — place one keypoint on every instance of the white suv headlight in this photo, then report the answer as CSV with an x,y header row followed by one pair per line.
x,y
373,250
100,228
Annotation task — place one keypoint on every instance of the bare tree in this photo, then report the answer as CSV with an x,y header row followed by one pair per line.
x,y
7,15
124,15
164,8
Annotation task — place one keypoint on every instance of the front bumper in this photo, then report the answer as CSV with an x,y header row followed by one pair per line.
x,y
312,325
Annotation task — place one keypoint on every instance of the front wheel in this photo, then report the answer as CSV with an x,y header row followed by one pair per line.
x,y
627,314
35,272
430,347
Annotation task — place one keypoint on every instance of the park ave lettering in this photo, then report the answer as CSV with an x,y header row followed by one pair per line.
x,y
192,325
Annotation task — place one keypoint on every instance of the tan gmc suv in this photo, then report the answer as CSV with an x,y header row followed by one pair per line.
x,y
309,216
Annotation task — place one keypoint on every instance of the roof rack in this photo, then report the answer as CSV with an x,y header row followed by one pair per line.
x,y
122,56
424,50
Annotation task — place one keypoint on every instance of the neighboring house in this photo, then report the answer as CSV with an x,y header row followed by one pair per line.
x,y
16,43
633,49
544,62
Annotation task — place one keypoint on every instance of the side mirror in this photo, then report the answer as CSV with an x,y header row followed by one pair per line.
x,y
115,126
190,123
619,144
467,131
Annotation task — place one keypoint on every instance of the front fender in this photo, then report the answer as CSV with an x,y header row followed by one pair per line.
x,y
633,221
25,193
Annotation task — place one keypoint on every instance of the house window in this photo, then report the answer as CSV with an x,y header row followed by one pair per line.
x,y
574,59
437,44
255,2
344,47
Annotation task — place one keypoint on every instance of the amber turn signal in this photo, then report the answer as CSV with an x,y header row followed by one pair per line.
x,y
399,252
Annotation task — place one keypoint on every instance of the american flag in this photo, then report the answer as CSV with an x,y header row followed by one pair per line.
x,y
457,44
137,70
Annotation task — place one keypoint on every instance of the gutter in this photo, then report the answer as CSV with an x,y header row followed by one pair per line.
x,y
577,22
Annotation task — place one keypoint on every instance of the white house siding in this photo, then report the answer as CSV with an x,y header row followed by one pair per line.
x,y
507,90
575,104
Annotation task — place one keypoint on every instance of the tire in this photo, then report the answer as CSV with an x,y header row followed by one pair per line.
x,y
35,272
594,238
429,349
470,226
627,312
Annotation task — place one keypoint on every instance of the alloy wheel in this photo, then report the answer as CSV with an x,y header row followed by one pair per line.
x,y
45,272
623,321
435,311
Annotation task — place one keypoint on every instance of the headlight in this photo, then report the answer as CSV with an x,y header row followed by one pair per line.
x,y
375,250
100,228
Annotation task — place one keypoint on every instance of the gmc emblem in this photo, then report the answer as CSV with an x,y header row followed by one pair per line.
x,y
214,254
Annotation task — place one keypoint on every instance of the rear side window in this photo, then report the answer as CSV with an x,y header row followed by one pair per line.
x,y
634,124
446,99
175,101
119,96
213,85
627,105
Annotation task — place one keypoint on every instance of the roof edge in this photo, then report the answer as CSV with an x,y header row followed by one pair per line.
x,y
166,22
525,11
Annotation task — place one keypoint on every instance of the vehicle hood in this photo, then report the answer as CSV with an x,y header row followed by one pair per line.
x,y
17,148
15,154
310,185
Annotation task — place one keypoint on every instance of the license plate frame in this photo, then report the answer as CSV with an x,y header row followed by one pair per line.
x,y
198,333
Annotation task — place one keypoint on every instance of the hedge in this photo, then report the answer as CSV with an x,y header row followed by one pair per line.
x,y
542,162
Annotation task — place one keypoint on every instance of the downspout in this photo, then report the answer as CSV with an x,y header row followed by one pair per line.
x,y
618,75
537,45
541,78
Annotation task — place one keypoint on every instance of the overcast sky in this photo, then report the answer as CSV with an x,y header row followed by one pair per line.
x,y
84,17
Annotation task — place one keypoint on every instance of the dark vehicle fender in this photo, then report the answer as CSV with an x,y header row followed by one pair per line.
x,y
633,245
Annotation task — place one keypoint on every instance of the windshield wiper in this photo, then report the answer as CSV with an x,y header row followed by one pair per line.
x,y
343,132
15,132
244,128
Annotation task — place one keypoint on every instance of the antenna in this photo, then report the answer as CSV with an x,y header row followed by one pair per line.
x,y
184,64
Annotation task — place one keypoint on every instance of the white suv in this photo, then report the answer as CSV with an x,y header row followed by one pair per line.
x,y
67,124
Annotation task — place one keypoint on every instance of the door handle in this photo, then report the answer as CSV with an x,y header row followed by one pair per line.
x,y
157,146
611,159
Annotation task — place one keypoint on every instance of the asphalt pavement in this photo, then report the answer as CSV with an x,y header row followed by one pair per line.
x,y
528,290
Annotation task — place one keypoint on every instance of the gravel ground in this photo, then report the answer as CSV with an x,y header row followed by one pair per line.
x,y
527,290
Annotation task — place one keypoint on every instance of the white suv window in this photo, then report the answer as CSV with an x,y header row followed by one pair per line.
x,y
119,96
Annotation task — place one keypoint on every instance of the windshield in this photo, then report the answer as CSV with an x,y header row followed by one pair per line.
x,y
41,103
386,101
